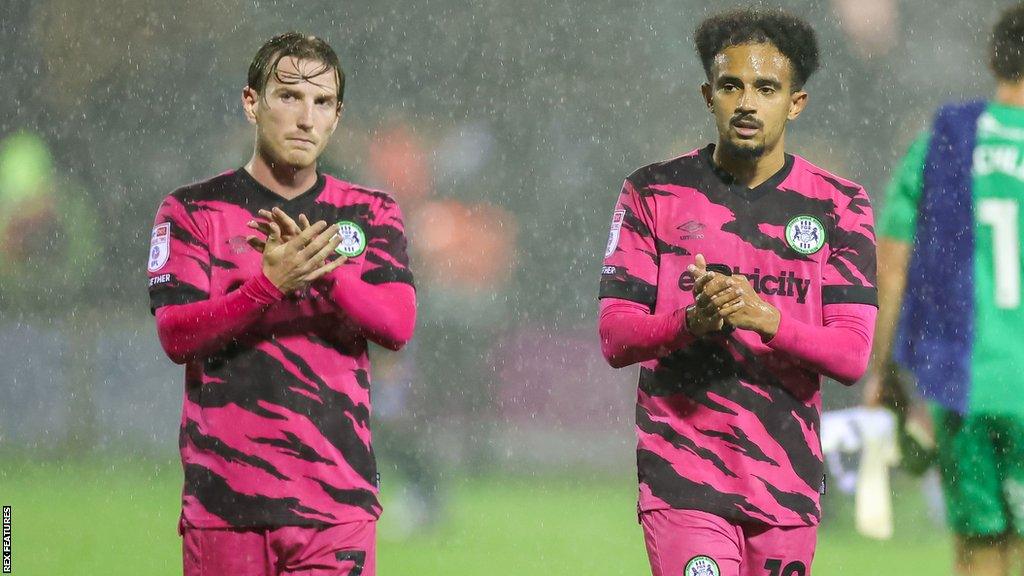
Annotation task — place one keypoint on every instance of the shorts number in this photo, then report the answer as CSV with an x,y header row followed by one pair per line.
x,y
356,556
1001,215
775,568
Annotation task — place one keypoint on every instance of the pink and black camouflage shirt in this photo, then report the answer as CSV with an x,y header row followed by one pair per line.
x,y
726,424
275,426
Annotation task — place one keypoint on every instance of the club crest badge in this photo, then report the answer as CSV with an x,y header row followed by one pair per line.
x,y
159,246
613,234
353,239
805,234
701,566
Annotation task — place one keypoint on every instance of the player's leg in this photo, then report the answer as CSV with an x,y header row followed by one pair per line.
x,y
400,405
348,549
1015,553
691,543
778,550
981,556
216,552
972,486
1009,436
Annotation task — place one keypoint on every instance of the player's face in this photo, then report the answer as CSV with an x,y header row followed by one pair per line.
x,y
751,96
296,114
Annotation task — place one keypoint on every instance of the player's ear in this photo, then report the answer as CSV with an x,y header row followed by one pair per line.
x,y
797,103
337,118
705,90
250,103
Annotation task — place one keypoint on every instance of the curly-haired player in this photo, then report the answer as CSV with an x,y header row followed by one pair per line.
x,y
738,275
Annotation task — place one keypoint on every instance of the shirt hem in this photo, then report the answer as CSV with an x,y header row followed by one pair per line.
x,y
730,516
220,524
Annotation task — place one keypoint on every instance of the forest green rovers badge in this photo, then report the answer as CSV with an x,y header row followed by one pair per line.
x,y
701,566
353,239
805,234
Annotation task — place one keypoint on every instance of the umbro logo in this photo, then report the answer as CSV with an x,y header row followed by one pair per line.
x,y
691,229
238,244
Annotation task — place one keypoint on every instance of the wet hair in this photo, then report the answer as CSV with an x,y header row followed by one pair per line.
x,y
296,45
1006,48
791,35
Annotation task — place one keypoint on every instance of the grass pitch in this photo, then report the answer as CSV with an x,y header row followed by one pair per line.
x,y
117,517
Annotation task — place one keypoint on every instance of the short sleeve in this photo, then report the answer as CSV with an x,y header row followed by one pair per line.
x,y
630,269
898,217
179,260
849,275
387,259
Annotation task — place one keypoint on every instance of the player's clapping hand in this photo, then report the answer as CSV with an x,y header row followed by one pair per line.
x,y
702,318
737,303
289,227
295,263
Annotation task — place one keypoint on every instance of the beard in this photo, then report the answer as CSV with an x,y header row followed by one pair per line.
x,y
753,151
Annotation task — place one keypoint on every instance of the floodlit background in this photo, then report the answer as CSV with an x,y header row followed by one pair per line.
x,y
505,129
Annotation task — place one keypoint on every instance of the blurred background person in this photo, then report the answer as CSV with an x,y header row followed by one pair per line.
x,y
49,242
48,230
466,251
950,271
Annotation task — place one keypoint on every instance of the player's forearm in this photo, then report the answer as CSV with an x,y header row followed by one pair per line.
x,y
384,313
630,334
893,257
840,349
201,329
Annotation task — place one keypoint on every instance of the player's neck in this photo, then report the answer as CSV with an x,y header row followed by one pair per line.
x,y
285,181
750,172
1010,93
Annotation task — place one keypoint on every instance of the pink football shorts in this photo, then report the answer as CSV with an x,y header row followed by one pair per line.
x,y
337,550
693,543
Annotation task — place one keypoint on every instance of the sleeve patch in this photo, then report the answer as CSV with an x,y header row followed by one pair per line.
x,y
159,246
613,234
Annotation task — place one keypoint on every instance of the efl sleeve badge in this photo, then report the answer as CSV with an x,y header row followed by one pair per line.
x,y
159,246
613,234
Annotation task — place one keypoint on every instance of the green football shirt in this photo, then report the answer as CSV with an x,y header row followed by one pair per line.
x,y
997,358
